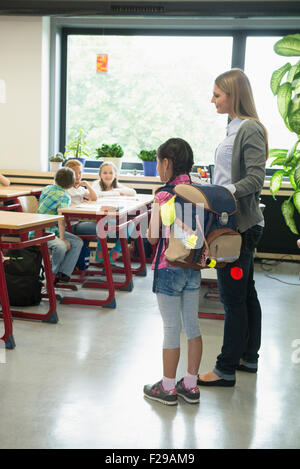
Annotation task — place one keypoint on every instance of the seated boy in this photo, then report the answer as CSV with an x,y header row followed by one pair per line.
x,y
66,247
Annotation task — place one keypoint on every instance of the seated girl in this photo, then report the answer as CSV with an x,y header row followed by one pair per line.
x,y
108,184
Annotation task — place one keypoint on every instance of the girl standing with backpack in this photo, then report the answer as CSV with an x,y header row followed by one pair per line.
x,y
177,289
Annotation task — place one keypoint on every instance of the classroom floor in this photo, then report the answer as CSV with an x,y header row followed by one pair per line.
x,y
79,383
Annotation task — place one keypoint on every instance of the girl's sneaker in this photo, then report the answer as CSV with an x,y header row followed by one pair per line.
x,y
192,396
156,392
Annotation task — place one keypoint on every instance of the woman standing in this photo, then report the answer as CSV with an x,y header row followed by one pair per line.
x,y
240,166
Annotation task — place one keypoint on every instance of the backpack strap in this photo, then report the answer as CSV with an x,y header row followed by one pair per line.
x,y
167,188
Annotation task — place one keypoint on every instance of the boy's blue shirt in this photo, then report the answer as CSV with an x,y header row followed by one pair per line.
x,y
52,199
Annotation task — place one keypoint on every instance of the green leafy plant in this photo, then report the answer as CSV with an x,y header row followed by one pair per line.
x,y
109,151
147,155
285,84
58,158
77,146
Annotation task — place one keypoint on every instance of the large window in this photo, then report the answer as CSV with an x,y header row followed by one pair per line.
x,y
155,87
261,61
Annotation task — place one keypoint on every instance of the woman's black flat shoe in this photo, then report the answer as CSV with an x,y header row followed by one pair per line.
x,y
246,368
225,383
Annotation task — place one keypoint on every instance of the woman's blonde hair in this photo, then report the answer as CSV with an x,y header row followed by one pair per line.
x,y
114,183
73,164
236,84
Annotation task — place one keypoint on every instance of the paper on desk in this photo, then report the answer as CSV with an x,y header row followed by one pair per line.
x,y
108,205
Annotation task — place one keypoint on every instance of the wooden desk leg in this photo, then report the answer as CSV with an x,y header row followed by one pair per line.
x,y
51,316
8,337
110,301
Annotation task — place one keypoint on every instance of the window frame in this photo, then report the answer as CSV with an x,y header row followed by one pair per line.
x,y
239,40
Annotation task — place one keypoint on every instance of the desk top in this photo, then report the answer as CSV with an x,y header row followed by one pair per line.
x,y
8,192
113,205
20,220
31,189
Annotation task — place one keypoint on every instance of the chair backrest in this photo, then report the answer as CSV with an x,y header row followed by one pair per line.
x,y
28,203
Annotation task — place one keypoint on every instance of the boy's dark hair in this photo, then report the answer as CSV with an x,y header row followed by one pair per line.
x,y
65,178
180,153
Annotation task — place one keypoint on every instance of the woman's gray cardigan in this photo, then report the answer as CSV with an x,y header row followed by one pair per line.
x,y
248,172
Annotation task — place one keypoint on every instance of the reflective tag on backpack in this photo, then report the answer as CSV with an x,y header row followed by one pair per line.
x,y
168,212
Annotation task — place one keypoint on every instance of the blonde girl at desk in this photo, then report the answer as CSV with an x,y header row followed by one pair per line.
x,y
108,185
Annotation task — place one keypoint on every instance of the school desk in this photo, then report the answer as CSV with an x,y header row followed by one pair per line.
x,y
16,223
10,196
33,190
123,210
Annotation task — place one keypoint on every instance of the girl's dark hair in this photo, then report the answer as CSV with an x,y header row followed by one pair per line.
x,y
180,153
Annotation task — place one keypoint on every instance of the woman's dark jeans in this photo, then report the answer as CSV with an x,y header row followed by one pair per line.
x,y
242,326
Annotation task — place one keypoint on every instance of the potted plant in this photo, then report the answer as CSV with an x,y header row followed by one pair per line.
x,y
288,101
112,153
77,147
148,158
56,161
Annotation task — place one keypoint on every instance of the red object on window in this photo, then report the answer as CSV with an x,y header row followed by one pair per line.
x,y
236,273
102,62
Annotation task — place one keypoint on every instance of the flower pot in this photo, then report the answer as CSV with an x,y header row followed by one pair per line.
x,y
116,161
149,168
55,166
82,161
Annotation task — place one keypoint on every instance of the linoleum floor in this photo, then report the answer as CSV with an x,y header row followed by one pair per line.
x,y
79,383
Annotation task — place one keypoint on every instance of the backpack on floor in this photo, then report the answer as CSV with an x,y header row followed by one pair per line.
x,y
201,221
24,273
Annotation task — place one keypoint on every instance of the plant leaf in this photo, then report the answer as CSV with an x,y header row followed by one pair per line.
x,y
277,76
292,72
278,161
288,46
283,99
287,209
277,153
297,176
296,200
294,121
291,153
276,181
292,179
296,86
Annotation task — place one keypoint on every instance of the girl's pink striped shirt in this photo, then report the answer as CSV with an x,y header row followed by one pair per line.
x,y
162,197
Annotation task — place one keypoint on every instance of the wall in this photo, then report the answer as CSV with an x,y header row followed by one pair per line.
x,y
24,65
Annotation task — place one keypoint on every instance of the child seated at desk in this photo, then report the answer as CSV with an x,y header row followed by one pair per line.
x,y
66,247
4,181
80,192
108,185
